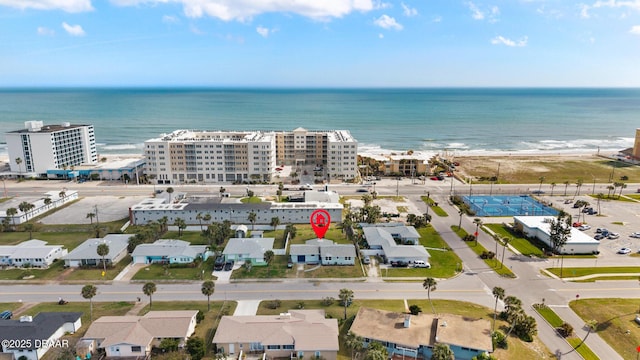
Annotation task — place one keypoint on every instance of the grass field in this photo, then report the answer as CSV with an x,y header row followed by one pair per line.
x,y
305,232
276,270
433,207
96,272
582,271
524,246
53,272
555,321
159,272
477,248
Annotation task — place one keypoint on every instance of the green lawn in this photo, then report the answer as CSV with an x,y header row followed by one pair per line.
x,y
477,248
433,208
305,232
582,271
614,318
159,272
555,321
96,272
334,271
69,240
193,237
276,270
517,349
251,200
52,273
524,246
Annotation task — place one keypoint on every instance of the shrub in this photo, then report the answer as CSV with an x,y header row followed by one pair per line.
x,y
565,330
487,255
415,309
274,304
199,316
328,301
499,340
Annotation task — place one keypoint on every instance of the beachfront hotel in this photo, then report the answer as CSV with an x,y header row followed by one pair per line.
x,y
186,156
43,147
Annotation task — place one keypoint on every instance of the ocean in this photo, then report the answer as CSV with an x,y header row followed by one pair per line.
x,y
463,121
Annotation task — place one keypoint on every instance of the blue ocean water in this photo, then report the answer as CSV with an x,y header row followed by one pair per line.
x,y
458,120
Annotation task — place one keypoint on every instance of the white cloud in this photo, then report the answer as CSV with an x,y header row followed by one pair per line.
x,y
635,30
614,4
387,22
263,31
501,40
170,19
71,6
408,11
45,31
73,30
245,10
437,19
380,5
491,14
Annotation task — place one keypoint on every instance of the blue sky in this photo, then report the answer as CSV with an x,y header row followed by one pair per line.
x,y
320,43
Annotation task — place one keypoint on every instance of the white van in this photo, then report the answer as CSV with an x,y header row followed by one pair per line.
x,y
421,264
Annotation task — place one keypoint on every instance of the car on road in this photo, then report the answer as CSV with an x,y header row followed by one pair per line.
x,y
624,251
6,315
635,235
584,227
306,187
613,235
537,192
362,190
228,265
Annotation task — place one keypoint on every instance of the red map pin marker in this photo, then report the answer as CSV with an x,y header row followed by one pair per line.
x,y
320,221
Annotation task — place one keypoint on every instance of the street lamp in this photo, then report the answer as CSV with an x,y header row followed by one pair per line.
x,y
428,205
397,186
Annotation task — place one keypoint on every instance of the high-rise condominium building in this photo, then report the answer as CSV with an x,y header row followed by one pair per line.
x,y
38,148
236,156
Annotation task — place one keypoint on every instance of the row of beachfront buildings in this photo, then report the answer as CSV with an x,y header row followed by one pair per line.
x,y
294,334
183,156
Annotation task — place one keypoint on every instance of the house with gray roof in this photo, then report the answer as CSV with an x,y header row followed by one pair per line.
x,y
31,253
134,336
380,238
294,334
86,254
31,333
169,251
322,251
252,249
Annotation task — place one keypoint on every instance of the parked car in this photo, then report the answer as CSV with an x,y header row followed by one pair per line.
x,y
219,263
577,224
306,187
599,237
613,235
624,251
421,264
584,227
366,260
289,265
228,265
362,190
592,212
6,315
600,229
635,235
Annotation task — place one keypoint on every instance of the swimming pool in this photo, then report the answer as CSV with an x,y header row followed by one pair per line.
x,y
507,205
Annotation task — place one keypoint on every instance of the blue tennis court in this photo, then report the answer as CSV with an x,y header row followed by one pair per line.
x,y
504,205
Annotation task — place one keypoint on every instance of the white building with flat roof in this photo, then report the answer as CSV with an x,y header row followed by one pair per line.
x,y
43,147
190,156
539,227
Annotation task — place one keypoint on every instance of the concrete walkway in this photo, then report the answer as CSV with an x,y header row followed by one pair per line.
x,y
246,307
587,277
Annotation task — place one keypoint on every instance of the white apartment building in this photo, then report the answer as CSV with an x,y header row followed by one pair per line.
x,y
41,148
186,156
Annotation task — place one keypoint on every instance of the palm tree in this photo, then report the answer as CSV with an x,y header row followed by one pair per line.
x,y
208,287
199,218
498,293
163,221
180,224
346,297
353,342
29,227
90,216
430,285
62,194
541,178
148,289
578,186
600,196
460,212
25,207
505,241
206,218
19,163
88,292
252,219
222,190
553,185
268,256
275,221
47,201
442,351
566,185
103,250
478,223
622,187
12,212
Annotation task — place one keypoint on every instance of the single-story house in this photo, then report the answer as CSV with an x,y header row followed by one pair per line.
x,y
86,254
539,227
252,249
322,251
31,253
382,242
130,336
414,336
36,332
294,334
407,235
169,251
51,200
